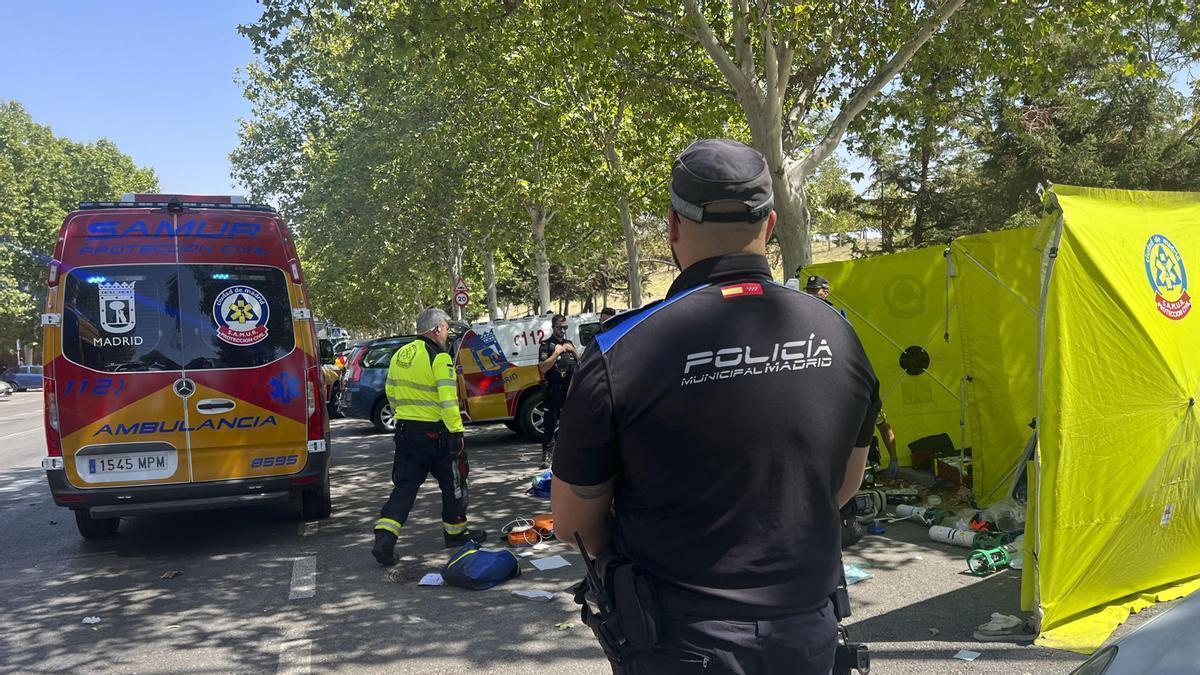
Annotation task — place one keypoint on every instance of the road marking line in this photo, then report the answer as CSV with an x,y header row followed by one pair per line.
x,y
304,578
308,529
19,433
295,657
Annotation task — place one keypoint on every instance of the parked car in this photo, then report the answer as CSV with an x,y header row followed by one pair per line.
x,y
496,362
24,377
361,394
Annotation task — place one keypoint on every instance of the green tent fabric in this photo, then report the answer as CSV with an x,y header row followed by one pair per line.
x,y
996,284
896,302
1118,463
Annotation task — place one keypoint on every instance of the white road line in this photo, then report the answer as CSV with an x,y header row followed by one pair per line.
x,y
308,529
304,578
19,433
295,657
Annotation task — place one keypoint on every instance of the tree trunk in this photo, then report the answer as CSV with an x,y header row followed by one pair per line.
x,y
538,220
631,252
453,269
791,229
489,276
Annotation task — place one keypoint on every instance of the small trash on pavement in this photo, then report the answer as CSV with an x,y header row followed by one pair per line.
x,y
170,575
1005,628
552,563
935,632
565,625
855,574
432,579
91,620
536,595
967,655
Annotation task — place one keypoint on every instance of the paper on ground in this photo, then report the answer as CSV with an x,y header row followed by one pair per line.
x,y
431,579
967,655
552,563
540,596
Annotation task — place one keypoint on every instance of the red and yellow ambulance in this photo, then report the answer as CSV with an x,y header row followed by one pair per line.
x,y
181,364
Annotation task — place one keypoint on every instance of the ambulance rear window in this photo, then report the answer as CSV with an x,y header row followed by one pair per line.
x,y
234,316
122,318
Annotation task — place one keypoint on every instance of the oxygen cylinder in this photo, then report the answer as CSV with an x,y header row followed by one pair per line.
x,y
950,535
930,515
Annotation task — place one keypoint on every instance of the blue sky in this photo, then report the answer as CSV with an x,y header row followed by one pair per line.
x,y
156,78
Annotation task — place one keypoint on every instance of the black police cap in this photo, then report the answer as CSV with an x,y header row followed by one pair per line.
x,y
816,282
721,170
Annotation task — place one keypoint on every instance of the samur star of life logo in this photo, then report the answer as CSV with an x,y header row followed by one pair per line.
x,y
1168,277
241,314
117,307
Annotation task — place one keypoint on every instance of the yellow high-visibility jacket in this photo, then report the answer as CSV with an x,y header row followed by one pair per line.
x,y
421,385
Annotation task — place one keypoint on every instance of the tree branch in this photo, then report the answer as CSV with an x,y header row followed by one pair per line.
x,y
668,79
732,74
858,102
652,18
741,39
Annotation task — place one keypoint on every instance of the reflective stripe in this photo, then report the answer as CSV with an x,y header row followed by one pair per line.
x,y
411,385
389,525
448,404
446,383
464,554
455,528
397,402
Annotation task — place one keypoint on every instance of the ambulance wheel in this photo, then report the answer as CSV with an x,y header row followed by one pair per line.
x,y
513,426
382,417
531,415
95,528
317,504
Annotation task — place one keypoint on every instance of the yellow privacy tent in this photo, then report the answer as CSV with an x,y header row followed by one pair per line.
x,y
897,302
1118,467
995,287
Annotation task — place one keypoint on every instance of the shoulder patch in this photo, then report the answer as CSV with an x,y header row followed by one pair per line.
x,y
741,290
609,337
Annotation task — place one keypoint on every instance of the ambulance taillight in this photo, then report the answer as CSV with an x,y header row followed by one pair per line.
x,y
53,447
315,406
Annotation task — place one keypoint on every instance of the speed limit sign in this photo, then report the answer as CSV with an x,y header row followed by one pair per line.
x,y
461,299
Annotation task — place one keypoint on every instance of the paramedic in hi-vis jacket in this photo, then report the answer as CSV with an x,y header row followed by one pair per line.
x,y
429,437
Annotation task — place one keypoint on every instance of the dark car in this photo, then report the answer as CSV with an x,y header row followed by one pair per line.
x,y
362,393
24,377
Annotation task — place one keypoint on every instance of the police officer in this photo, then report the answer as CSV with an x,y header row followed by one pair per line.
x,y
429,437
733,419
818,287
557,358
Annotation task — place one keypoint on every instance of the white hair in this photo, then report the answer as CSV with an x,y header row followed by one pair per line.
x,y
430,319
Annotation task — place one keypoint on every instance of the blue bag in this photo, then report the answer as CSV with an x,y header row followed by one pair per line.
x,y
541,485
478,569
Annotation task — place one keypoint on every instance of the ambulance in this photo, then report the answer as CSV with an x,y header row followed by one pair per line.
x,y
497,364
181,363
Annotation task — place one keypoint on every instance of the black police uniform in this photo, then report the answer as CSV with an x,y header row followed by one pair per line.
x,y
558,380
726,414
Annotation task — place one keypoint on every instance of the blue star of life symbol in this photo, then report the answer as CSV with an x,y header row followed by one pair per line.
x,y
284,388
1166,276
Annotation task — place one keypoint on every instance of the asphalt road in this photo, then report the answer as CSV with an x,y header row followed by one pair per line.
x,y
260,590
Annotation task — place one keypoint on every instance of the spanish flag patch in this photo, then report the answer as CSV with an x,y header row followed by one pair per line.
x,y
740,290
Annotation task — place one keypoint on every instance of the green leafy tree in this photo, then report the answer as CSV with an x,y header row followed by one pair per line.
x,y
42,178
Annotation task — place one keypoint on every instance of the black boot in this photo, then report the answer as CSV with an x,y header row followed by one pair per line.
x,y
547,456
385,548
455,540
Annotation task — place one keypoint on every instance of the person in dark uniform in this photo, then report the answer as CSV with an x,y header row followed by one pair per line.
x,y
723,427
818,287
557,359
